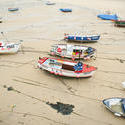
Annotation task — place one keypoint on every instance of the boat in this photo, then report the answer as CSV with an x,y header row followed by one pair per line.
x,y
66,68
50,3
9,48
73,51
120,23
116,105
1,20
65,10
13,9
108,16
82,38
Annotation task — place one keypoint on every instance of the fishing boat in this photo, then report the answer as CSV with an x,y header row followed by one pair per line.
x,y
9,48
82,38
108,16
120,23
13,9
65,68
115,105
65,10
73,51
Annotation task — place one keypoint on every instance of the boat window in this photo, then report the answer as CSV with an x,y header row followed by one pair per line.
x,y
77,51
68,67
51,61
54,62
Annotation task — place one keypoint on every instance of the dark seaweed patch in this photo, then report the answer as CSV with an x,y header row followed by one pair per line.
x,y
65,109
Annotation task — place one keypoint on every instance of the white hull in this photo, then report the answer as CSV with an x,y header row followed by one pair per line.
x,y
73,51
10,48
63,72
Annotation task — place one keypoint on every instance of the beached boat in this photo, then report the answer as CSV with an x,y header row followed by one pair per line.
x,y
50,3
108,16
65,10
116,105
82,38
120,23
1,21
13,9
8,48
66,68
73,51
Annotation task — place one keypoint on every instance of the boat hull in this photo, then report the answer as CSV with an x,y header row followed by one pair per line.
x,y
115,106
13,9
66,10
10,49
119,23
66,68
73,51
65,72
82,39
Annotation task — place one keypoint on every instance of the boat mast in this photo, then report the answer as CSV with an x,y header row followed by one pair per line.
x,y
4,36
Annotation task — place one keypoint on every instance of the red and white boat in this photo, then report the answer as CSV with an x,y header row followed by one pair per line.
x,y
66,68
9,48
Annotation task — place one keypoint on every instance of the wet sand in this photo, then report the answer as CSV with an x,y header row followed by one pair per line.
x,y
40,26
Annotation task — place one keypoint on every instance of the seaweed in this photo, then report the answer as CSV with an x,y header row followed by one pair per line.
x,y
64,109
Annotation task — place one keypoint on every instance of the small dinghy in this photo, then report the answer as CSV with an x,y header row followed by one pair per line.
x,y
108,16
119,23
116,105
73,51
13,9
66,68
81,38
9,48
65,10
50,3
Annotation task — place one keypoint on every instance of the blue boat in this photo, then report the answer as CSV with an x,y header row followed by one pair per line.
x,y
13,9
108,17
92,38
66,10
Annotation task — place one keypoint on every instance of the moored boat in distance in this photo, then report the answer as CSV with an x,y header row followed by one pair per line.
x,y
119,23
108,16
13,9
115,105
9,48
66,68
73,51
65,10
82,38
50,3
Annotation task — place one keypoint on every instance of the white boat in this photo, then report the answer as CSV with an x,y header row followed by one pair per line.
x,y
66,68
8,48
73,51
50,3
115,105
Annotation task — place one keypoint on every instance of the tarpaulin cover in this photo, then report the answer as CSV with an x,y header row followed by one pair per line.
x,y
108,17
66,10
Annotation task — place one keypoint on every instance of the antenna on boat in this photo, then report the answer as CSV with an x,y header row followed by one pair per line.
x,y
22,46
4,36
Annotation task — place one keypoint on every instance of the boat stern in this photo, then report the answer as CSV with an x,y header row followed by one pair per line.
x,y
41,61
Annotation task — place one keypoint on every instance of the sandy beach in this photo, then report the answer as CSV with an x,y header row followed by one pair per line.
x,y
40,26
